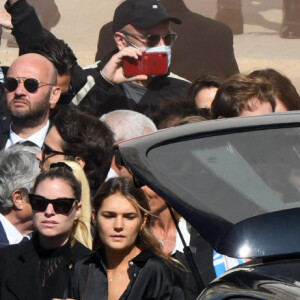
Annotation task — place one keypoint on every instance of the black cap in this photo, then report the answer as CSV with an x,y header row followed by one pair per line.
x,y
141,14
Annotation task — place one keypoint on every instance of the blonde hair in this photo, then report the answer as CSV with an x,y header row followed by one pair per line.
x,y
82,227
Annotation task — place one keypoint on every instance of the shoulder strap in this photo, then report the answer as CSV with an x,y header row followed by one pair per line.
x,y
188,255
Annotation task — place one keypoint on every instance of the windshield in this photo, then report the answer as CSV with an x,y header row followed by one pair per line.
x,y
237,175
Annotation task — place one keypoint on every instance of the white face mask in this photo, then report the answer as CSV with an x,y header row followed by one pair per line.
x,y
161,48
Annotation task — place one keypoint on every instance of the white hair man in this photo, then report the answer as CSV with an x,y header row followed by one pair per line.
x,y
125,125
18,170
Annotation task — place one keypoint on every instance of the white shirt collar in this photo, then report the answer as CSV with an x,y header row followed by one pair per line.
x,y
12,234
37,138
183,226
111,174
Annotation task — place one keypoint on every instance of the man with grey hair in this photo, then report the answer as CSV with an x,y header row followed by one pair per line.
x,y
125,125
18,170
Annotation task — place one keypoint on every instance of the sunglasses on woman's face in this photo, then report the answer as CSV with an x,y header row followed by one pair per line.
x,y
60,205
30,84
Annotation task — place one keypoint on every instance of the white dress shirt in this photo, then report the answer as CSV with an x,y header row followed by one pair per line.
x,y
12,234
37,138
183,226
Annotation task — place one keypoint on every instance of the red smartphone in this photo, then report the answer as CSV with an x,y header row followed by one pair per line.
x,y
154,63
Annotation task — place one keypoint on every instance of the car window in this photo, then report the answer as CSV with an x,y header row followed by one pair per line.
x,y
236,175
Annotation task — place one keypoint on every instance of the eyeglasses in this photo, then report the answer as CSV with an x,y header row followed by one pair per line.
x,y
47,152
60,205
30,84
152,40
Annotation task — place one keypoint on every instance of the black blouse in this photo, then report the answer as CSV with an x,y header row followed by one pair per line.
x,y
54,266
150,278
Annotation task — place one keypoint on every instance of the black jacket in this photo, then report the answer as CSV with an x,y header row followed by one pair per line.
x,y
204,46
19,271
5,121
150,278
113,97
202,254
3,238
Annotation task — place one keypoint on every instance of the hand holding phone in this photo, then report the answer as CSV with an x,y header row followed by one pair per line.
x,y
154,63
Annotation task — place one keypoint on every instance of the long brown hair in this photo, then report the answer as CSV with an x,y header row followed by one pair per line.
x,y
146,240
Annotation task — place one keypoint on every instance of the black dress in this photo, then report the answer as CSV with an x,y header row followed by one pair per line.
x,y
28,271
150,278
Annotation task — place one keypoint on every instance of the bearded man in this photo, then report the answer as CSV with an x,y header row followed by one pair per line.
x,y
31,90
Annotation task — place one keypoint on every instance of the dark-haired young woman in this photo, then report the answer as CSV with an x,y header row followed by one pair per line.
x,y
129,263
41,268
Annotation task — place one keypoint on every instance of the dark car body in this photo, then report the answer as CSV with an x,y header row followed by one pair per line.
x,y
237,181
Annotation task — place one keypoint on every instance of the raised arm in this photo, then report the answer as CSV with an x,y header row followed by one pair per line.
x,y
27,28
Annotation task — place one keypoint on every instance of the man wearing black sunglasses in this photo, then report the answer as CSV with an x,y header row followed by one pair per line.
x,y
204,46
80,137
31,90
139,27
75,82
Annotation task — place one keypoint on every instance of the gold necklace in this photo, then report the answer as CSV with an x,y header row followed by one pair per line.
x,y
110,279
113,278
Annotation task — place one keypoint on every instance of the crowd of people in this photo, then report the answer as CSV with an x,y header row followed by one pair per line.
x,y
73,223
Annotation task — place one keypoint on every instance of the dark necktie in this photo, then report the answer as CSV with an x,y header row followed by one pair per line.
x,y
27,143
24,239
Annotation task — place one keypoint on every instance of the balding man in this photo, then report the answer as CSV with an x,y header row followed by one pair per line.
x,y
31,88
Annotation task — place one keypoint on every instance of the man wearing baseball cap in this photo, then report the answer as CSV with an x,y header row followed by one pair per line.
x,y
138,26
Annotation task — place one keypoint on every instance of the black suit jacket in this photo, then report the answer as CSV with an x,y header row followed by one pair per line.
x,y
5,121
203,256
204,46
3,238
19,272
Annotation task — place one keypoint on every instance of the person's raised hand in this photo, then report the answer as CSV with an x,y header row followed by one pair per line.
x,y
113,70
5,19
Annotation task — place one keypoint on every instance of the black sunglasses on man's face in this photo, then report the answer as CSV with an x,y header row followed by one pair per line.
x,y
47,152
30,84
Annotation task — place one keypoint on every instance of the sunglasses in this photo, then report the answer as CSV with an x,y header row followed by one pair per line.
x,y
60,205
47,152
31,84
152,40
